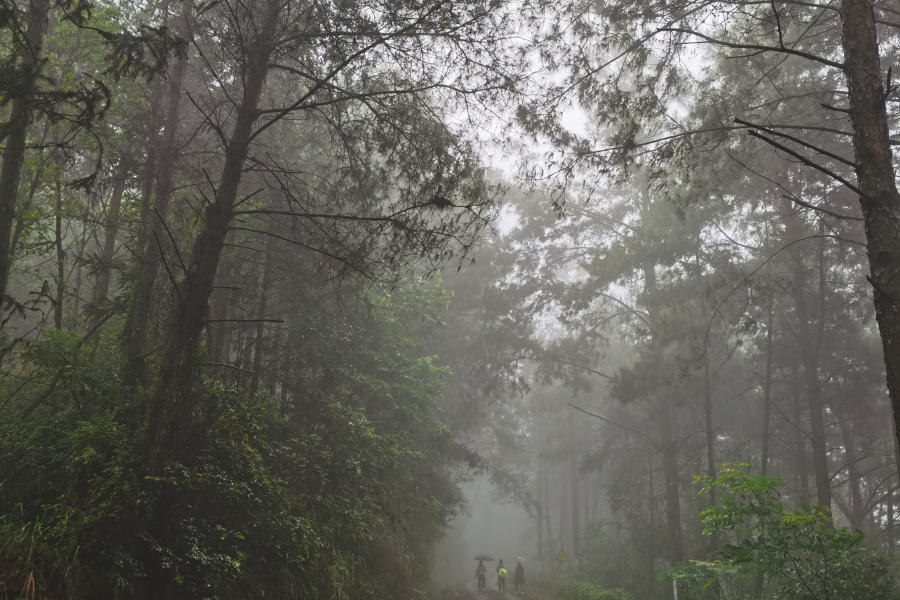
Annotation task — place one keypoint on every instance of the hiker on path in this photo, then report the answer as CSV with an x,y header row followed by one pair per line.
x,y
480,574
519,579
501,578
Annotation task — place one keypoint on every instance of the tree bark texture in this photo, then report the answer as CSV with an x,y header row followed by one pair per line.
x,y
16,139
876,178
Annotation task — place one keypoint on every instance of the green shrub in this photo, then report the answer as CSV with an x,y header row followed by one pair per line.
x,y
799,554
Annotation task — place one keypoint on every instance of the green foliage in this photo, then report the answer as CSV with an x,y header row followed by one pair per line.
x,y
799,552
335,491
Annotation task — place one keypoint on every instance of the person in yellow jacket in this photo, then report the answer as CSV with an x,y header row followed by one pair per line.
x,y
501,577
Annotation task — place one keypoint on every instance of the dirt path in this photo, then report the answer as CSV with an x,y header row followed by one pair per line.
x,y
490,592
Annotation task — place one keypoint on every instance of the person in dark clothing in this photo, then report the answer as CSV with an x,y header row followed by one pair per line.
x,y
519,578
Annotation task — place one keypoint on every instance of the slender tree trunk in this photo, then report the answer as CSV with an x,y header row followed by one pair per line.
x,y
856,514
710,430
662,411
548,509
651,550
710,438
810,350
287,365
136,330
573,475
875,174
767,409
539,512
148,172
261,314
273,374
799,434
562,515
173,402
29,57
107,252
223,297
585,483
707,407
767,393
668,448
60,257
671,481
78,262
890,507
36,179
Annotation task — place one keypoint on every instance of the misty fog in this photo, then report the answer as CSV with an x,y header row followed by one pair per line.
x,y
308,300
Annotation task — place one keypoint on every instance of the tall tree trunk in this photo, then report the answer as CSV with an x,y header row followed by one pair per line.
x,y
767,410
60,257
573,475
104,276
223,297
29,58
875,174
548,509
767,393
539,512
174,400
653,549
856,514
44,158
136,329
662,410
710,430
799,435
562,517
810,350
707,406
890,522
259,348
671,481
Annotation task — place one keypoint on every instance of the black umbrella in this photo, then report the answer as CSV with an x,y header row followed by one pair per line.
x,y
483,557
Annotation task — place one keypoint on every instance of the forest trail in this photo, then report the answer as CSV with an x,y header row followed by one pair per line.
x,y
471,589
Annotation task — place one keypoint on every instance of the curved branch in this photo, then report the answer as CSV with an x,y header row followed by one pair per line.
x,y
759,47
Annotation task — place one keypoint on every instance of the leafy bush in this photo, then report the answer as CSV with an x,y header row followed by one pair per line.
x,y
799,553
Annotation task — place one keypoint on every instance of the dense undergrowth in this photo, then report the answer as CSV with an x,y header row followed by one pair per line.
x,y
337,490
758,548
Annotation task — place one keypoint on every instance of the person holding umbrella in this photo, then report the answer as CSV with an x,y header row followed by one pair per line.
x,y
480,573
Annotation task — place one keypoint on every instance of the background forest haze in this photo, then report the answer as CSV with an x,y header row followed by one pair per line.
x,y
306,299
